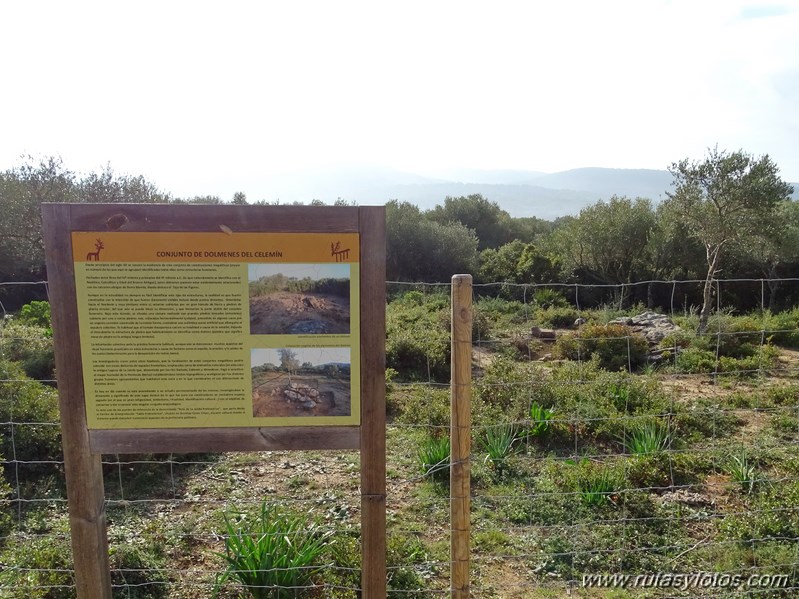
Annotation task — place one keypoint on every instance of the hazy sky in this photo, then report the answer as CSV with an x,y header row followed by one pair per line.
x,y
197,95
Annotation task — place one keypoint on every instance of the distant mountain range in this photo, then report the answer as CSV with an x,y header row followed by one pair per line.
x,y
519,192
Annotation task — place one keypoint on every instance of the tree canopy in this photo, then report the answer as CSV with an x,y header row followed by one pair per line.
x,y
724,200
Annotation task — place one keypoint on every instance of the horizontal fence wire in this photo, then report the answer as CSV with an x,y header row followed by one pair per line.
x,y
598,460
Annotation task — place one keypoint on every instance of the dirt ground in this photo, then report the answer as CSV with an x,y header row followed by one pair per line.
x,y
286,313
269,401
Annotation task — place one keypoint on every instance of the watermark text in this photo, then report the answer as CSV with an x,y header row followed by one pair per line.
x,y
696,580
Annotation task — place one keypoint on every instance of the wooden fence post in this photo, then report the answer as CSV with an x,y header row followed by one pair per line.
x,y
83,470
460,434
373,401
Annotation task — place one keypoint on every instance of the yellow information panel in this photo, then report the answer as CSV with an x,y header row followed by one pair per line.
x,y
185,330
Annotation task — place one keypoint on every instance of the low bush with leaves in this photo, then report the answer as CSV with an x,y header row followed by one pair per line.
x,y
557,317
36,313
32,410
616,347
40,558
418,339
31,346
783,327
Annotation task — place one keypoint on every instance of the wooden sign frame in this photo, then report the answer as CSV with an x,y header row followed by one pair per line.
x,y
83,447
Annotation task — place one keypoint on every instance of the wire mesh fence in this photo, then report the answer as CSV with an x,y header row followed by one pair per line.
x,y
613,447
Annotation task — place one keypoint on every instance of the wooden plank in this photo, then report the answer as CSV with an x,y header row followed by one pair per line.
x,y
84,475
460,434
193,440
373,401
195,217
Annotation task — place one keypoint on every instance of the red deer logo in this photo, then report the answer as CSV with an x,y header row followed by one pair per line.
x,y
95,256
340,255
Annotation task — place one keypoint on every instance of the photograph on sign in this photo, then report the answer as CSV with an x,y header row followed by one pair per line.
x,y
192,330
299,299
303,381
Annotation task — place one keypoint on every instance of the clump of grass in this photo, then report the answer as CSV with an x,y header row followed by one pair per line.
x,y
540,420
500,444
597,484
742,471
433,453
274,555
646,438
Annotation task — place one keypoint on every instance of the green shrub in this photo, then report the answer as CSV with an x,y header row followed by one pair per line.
x,y
272,554
36,313
702,419
522,347
783,327
39,566
750,360
137,556
663,470
594,404
696,361
421,405
549,298
33,410
771,513
405,557
615,345
557,317
502,394
632,395
32,346
418,338
731,336
783,395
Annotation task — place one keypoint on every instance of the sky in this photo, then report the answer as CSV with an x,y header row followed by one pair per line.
x,y
201,96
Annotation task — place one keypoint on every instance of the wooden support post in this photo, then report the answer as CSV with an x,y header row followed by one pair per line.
x,y
83,469
460,434
373,402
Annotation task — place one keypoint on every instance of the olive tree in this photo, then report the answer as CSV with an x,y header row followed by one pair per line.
x,y
606,242
724,200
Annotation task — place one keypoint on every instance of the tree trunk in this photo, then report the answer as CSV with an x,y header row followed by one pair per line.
x,y
650,300
773,286
704,315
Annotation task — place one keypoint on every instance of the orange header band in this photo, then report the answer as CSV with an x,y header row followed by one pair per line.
x,y
214,247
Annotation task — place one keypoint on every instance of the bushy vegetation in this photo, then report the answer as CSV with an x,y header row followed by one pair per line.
x,y
613,345
417,345
280,282
29,411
